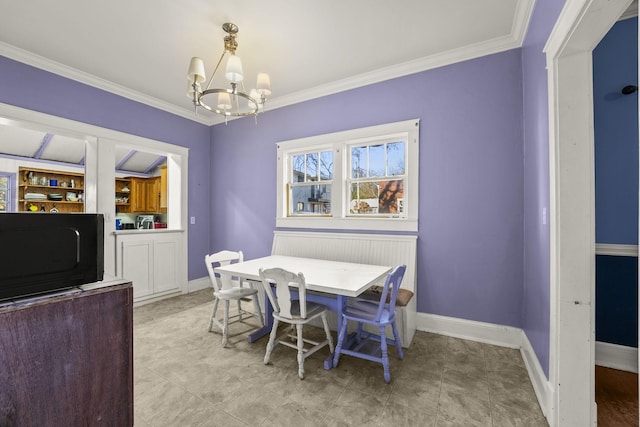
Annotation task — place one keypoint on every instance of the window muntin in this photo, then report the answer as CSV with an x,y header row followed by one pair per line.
x,y
377,179
388,168
310,183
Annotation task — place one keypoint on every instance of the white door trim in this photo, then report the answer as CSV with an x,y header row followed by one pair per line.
x,y
580,27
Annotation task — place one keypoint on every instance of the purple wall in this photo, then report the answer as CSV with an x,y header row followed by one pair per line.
x,y
35,89
536,298
470,237
483,252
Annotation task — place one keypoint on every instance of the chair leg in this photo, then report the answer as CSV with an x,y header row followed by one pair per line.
x,y
341,337
256,307
300,352
239,309
225,324
396,336
213,313
272,341
385,355
327,331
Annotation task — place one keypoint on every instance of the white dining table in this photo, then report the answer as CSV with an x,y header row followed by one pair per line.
x,y
330,282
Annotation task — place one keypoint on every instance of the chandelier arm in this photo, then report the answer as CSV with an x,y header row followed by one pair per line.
x,y
250,112
216,69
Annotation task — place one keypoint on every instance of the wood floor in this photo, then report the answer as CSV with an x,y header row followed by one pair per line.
x,y
617,397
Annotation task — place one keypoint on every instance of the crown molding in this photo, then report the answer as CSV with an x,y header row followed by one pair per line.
x,y
54,67
500,44
399,70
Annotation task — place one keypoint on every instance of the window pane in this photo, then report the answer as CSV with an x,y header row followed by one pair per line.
x,y
364,198
312,167
4,193
390,193
358,162
297,166
310,199
395,158
377,197
376,160
326,165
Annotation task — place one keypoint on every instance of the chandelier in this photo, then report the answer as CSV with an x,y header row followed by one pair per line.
x,y
233,101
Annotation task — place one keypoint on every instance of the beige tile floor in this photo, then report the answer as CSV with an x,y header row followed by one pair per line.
x,y
183,377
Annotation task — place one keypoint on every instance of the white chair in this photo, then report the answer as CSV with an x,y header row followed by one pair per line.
x,y
295,312
226,289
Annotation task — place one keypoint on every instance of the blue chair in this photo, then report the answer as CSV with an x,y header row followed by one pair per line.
x,y
380,313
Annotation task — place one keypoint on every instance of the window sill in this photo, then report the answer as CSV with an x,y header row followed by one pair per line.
x,y
369,224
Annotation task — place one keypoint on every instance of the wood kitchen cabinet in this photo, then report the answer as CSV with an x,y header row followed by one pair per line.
x,y
36,192
145,195
123,195
164,200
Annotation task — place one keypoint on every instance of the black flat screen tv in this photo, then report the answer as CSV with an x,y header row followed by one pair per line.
x,y
47,252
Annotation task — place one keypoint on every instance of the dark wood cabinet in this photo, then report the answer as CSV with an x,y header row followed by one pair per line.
x,y
67,360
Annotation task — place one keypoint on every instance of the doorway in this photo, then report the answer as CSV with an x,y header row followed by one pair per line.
x,y
615,72
580,27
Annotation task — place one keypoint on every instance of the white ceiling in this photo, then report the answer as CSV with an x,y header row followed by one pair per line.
x,y
20,142
141,48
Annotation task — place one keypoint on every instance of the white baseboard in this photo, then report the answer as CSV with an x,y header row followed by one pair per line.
x,y
505,336
541,385
617,356
198,284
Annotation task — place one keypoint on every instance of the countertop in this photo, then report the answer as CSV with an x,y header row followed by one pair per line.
x,y
148,231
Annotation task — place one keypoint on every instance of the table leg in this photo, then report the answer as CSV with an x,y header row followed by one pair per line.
x,y
268,322
341,301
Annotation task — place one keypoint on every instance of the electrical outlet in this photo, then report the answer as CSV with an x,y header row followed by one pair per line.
x,y
193,220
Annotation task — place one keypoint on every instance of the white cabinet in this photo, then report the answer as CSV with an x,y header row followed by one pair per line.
x,y
138,265
165,254
151,261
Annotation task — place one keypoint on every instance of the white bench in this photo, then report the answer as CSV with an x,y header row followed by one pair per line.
x,y
380,249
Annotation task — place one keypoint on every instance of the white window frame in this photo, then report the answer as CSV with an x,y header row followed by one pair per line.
x,y
340,143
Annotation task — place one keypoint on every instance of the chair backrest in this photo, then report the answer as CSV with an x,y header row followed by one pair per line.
x,y
281,300
221,258
391,284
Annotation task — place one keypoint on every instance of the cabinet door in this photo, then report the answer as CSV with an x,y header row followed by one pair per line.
x,y
137,266
152,196
138,195
165,256
163,189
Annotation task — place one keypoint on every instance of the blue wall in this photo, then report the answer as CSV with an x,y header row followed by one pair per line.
x,y
615,65
616,297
